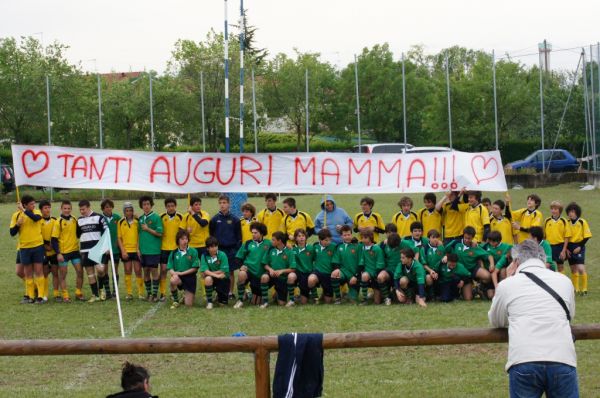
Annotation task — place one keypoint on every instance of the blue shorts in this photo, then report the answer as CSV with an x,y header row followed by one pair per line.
x,y
73,257
280,288
254,284
86,261
302,282
106,258
32,255
132,257
578,258
18,260
474,272
230,252
164,256
325,283
556,250
150,260
188,283
50,260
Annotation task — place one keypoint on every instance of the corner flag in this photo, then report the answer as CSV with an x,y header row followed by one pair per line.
x,y
103,245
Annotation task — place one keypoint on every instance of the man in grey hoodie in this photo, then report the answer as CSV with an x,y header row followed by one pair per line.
x,y
332,218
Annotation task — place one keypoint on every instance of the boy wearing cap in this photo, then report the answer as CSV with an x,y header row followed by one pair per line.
x,y
128,241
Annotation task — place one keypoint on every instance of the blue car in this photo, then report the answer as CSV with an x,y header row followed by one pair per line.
x,y
554,160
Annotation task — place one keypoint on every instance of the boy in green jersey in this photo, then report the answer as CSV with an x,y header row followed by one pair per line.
x,y
151,230
391,253
251,255
453,276
323,260
280,263
182,266
371,262
537,234
214,267
416,241
345,261
472,257
409,279
433,252
500,251
304,264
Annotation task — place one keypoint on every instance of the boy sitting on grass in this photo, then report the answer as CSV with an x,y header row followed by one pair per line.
x,y
182,266
214,267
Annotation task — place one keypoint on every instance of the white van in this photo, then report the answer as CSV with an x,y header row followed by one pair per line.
x,y
390,147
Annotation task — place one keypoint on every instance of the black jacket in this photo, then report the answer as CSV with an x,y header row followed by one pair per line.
x,y
132,394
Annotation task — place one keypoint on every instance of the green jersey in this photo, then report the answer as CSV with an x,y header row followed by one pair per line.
x,y
304,259
500,254
112,222
324,258
280,259
459,271
415,272
181,261
346,258
468,256
418,246
371,260
391,256
216,263
252,253
150,244
548,250
432,256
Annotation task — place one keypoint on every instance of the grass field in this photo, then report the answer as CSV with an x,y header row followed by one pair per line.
x,y
445,371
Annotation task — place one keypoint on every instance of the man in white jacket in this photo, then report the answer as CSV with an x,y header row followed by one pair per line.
x,y
541,352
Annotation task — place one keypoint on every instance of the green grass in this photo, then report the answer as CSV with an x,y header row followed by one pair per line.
x,y
445,371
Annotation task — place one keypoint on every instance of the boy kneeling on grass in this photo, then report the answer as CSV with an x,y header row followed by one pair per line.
x,y
280,264
409,279
182,266
214,267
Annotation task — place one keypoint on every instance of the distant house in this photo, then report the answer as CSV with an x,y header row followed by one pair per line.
x,y
118,76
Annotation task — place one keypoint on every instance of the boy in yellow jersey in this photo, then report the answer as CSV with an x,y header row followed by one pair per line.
x,y
477,216
557,231
405,217
128,241
271,216
22,273
527,217
430,216
31,246
295,219
502,223
50,262
196,223
171,220
367,220
65,244
248,217
453,216
580,234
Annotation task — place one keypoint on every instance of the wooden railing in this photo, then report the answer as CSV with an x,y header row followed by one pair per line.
x,y
262,346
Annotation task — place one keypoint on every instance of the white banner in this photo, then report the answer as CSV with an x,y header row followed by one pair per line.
x,y
321,172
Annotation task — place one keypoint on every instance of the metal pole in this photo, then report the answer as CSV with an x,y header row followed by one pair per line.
x,y
101,138
307,116
404,102
202,110
495,99
593,113
357,104
598,74
254,113
449,106
542,108
151,115
226,47
49,123
587,112
242,28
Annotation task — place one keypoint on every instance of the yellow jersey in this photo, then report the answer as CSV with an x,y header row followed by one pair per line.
x,y
372,220
272,219
13,223
198,233
557,230
65,230
403,222
477,217
580,230
171,225
30,232
431,219
128,233
504,226
245,225
301,220
526,219
47,228
454,220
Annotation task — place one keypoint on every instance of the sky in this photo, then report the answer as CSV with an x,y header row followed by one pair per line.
x,y
133,35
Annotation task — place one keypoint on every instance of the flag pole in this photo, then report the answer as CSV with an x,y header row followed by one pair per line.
x,y
114,274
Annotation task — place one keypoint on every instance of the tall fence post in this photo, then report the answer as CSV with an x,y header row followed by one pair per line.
x,y
262,372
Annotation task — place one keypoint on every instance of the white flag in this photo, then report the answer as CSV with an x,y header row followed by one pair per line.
x,y
95,254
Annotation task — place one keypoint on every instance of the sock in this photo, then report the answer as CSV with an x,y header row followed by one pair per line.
x,y
584,281
128,286
94,287
313,293
106,284
162,286
78,292
353,292
290,291
209,293
39,284
140,285
46,287
241,288
335,283
100,281
148,285
364,289
55,293
65,294
175,295
575,280
25,287
154,287
384,289
30,287
264,290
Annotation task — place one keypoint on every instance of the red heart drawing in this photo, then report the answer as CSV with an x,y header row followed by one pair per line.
x,y
34,163
484,172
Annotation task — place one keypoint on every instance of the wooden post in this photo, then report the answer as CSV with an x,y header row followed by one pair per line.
x,y
262,373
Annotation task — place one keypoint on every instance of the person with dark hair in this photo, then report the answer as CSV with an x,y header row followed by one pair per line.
x,y
537,234
453,276
430,216
453,216
50,262
128,239
371,262
135,381
527,217
112,220
500,251
304,264
271,216
248,217
557,231
391,253
321,276
182,265
368,220
65,244
487,202
151,230
409,279
196,223
214,266
477,216
171,220
295,219
90,228
502,223
580,234
345,261
251,255
280,264
415,240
